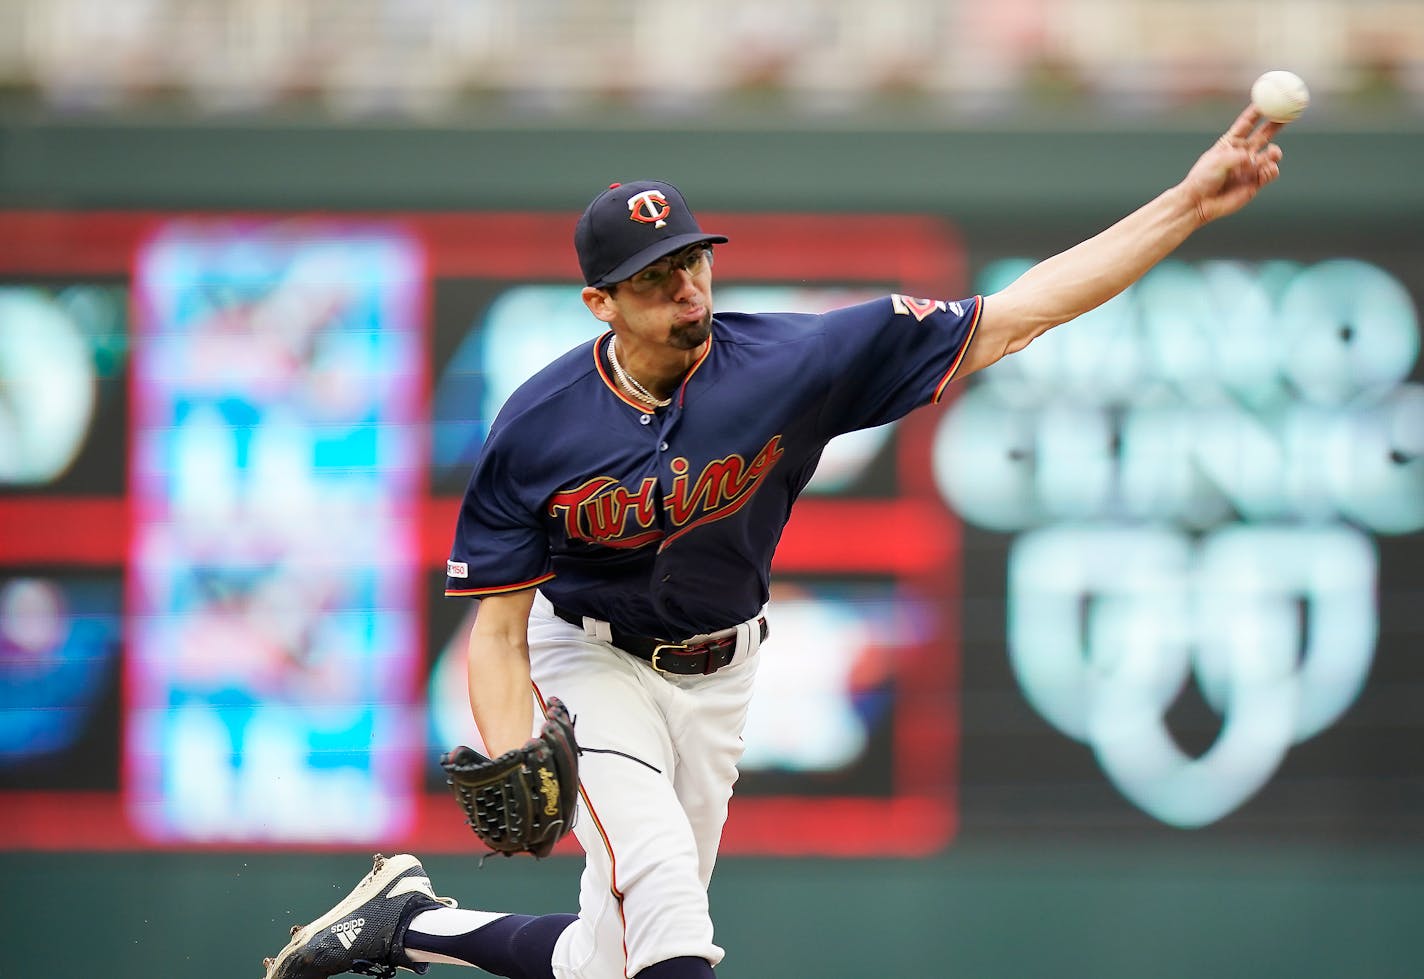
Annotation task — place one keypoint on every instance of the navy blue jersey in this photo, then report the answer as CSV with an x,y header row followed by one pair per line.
x,y
665,522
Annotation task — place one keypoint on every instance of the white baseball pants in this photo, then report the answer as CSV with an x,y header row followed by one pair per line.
x,y
659,759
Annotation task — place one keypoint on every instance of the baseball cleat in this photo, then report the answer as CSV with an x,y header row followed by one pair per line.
x,y
363,933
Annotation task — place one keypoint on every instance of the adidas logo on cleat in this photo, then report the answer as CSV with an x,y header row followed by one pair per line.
x,y
349,931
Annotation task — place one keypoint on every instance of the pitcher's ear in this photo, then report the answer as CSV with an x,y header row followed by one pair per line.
x,y
600,303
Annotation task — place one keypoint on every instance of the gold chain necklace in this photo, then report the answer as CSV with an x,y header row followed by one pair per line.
x,y
628,382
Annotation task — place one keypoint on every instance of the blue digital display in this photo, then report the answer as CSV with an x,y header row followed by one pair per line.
x,y
274,631
59,653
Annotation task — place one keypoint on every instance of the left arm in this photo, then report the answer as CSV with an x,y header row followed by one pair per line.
x,y
1058,289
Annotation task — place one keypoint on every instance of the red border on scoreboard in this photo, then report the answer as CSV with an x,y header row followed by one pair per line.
x,y
912,538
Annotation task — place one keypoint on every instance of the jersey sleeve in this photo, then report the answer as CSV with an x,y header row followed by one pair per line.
x,y
500,544
889,356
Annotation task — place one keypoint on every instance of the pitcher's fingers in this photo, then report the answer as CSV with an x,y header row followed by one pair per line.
x,y
1245,122
1262,136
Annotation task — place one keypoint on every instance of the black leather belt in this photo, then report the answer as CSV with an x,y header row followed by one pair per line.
x,y
704,657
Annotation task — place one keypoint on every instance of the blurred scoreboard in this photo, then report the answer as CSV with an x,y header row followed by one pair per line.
x,y
1203,504
1161,572
239,444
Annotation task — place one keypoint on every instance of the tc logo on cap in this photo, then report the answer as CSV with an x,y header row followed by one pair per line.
x,y
649,207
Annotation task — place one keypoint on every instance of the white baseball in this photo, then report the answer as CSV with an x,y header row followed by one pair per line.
x,y
1280,95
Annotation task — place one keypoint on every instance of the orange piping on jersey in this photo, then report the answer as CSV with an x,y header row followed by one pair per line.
x,y
497,589
963,349
682,391
613,385
603,834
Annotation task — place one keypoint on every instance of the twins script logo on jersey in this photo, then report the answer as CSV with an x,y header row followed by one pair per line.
x,y
649,207
600,510
604,511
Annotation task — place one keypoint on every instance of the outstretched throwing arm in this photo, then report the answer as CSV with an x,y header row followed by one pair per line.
x,y
1222,181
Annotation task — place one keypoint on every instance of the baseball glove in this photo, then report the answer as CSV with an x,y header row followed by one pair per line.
x,y
524,800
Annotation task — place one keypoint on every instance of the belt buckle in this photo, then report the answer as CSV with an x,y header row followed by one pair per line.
x,y
679,647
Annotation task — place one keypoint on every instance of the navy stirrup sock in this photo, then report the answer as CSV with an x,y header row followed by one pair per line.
x,y
519,946
683,967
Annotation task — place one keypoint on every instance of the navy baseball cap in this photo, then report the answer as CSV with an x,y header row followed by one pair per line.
x,y
632,225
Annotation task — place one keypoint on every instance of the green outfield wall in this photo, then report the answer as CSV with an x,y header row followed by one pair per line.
x,y
1046,913
1338,171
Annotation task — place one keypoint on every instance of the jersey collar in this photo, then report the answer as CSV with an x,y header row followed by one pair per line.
x,y
612,385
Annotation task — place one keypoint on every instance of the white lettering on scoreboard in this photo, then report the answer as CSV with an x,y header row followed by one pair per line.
x,y
1196,469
